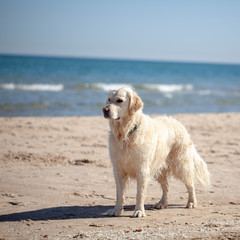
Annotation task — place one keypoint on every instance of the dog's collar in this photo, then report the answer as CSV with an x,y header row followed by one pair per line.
x,y
136,126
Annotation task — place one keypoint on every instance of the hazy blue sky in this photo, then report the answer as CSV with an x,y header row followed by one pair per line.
x,y
204,30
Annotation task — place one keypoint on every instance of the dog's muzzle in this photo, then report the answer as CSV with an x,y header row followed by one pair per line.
x,y
107,114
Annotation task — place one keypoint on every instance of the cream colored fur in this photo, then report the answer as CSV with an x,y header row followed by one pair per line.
x,y
158,147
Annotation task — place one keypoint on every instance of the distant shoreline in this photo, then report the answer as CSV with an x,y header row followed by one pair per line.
x,y
95,58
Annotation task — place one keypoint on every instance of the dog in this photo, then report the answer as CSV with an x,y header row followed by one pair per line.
x,y
142,147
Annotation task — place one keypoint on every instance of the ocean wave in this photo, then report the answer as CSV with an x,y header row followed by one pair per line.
x,y
164,88
32,87
104,86
167,88
109,87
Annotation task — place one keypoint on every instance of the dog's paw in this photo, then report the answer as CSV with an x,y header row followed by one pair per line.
x,y
139,214
191,205
114,212
160,205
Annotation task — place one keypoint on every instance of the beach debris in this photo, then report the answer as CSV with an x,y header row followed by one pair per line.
x,y
80,235
234,203
135,230
82,162
15,203
94,225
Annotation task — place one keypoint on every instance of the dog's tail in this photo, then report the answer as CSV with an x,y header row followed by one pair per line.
x,y
201,170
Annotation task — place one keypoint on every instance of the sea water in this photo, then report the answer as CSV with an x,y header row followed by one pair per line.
x,y
48,86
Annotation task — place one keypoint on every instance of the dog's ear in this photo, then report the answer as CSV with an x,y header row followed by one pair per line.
x,y
135,103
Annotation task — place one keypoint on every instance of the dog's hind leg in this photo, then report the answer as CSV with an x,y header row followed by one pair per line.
x,y
183,169
192,201
187,177
162,179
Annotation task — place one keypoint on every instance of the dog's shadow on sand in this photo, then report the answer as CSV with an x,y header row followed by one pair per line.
x,y
67,212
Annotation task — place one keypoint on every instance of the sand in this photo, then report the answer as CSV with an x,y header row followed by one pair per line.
x,y
56,182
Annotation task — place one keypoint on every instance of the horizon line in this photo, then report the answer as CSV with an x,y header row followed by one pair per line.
x,y
117,58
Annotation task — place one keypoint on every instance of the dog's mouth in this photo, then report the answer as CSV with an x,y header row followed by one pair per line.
x,y
111,118
107,114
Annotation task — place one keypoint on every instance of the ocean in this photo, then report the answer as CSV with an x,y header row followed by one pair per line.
x,y
49,86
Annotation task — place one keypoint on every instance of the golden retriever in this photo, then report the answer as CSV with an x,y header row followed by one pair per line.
x,y
141,147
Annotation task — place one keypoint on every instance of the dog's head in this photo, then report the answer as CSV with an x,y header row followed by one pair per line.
x,y
122,103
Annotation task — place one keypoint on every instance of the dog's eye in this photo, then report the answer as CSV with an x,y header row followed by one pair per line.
x,y
109,100
119,101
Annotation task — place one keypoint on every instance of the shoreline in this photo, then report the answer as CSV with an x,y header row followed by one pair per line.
x,y
57,182
101,116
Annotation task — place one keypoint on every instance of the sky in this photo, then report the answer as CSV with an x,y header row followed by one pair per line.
x,y
174,30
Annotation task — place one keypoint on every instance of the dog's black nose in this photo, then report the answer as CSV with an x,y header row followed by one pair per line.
x,y
105,110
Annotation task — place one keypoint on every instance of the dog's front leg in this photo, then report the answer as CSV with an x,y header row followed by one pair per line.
x,y
142,181
121,182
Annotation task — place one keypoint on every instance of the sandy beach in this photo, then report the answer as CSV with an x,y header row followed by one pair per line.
x,y
56,182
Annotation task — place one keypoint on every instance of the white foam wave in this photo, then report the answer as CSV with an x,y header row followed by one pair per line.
x,y
33,87
109,87
164,88
169,88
